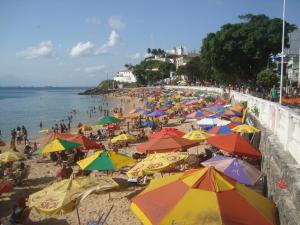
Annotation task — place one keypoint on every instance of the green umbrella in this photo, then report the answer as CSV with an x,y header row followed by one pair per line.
x,y
108,120
57,145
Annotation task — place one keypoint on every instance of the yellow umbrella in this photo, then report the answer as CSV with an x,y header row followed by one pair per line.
x,y
161,100
57,145
197,135
105,160
124,138
45,131
10,156
60,197
86,127
157,162
202,196
245,128
2,143
118,115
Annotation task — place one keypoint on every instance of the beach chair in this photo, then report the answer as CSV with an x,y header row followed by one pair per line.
x,y
102,218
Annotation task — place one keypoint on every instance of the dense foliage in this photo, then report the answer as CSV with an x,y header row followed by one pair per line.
x,y
149,72
237,52
266,79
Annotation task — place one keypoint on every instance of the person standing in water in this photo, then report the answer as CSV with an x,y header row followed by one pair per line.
x,y
41,125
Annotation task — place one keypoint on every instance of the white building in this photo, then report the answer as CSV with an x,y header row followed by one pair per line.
x,y
125,76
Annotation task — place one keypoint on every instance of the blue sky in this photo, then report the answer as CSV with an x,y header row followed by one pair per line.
x,y
77,43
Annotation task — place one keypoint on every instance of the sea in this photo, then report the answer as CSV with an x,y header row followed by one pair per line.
x,y
49,105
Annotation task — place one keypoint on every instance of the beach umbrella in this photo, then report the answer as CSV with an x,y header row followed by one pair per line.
x,y
166,143
85,142
5,186
2,143
63,136
124,138
57,145
61,197
157,162
230,112
166,130
44,131
220,130
135,110
118,115
215,115
235,168
105,160
10,156
234,144
236,119
197,135
201,196
86,127
157,113
196,114
245,128
214,108
148,123
108,120
238,108
208,122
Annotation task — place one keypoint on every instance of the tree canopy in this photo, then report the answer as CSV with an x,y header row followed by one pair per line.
x,y
151,71
266,79
237,52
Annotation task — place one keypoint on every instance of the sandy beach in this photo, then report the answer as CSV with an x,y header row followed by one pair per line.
x,y
42,173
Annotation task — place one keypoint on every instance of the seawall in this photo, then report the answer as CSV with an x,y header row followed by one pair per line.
x,y
279,143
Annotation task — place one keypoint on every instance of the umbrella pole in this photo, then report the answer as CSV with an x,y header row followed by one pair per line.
x,y
252,138
78,215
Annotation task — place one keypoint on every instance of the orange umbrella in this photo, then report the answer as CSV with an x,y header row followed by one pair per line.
x,y
235,144
166,130
166,143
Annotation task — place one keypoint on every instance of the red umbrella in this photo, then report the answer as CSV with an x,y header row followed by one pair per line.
x,y
167,130
166,143
5,186
234,143
63,136
85,142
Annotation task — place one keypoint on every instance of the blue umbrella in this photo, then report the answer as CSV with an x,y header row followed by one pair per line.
x,y
157,113
148,123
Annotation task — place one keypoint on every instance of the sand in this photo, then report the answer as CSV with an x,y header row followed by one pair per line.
x,y
43,173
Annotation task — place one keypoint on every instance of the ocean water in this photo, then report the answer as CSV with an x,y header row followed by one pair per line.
x,y
29,106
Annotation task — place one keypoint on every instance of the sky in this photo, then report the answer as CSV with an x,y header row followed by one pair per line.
x,y
80,43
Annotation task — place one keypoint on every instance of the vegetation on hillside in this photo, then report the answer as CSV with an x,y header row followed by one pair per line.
x,y
149,72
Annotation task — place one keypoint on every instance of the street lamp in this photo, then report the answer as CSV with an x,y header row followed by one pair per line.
x,y
282,48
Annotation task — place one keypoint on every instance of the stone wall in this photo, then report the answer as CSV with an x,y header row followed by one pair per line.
x,y
280,165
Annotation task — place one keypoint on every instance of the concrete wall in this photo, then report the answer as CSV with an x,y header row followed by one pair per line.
x,y
279,143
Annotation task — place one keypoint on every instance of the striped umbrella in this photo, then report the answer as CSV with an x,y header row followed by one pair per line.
x,y
105,160
202,196
57,145
235,168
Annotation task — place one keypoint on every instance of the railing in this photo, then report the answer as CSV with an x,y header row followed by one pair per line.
x,y
284,122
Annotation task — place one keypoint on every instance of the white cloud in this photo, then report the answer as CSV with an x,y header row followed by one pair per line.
x,y
44,50
93,20
135,56
115,22
111,42
82,49
91,69
88,48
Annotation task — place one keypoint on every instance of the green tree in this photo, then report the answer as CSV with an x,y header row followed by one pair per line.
x,y
152,71
237,52
266,79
